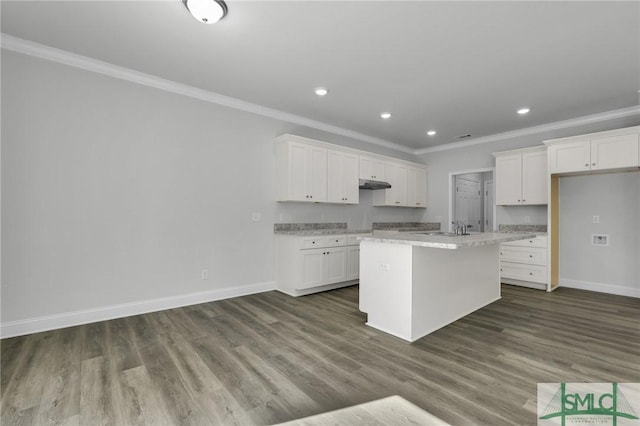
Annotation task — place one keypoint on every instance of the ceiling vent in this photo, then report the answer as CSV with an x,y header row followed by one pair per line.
x,y
464,136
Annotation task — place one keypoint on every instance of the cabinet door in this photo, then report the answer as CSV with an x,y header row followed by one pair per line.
x,y
335,264
353,262
509,179
396,175
313,264
336,177
371,168
317,173
534,177
614,152
570,157
351,172
298,166
416,187
342,177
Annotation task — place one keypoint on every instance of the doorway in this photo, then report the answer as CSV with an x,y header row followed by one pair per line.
x,y
471,200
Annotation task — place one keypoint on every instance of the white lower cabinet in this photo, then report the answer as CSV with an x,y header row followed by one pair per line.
x,y
307,265
323,266
524,262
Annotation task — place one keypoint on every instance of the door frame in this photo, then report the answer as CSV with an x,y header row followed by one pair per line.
x,y
452,178
485,202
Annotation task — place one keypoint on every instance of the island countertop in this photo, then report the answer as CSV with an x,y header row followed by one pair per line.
x,y
451,242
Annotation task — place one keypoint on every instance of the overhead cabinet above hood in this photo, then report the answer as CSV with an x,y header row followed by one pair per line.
x,y
373,184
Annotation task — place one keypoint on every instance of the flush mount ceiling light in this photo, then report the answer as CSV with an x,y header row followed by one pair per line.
x,y
321,91
385,115
523,111
206,11
431,132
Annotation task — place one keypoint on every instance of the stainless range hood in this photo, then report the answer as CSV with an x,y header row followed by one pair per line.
x,y
373,184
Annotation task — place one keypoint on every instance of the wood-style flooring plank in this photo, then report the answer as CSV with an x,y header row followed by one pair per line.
x,y
269,358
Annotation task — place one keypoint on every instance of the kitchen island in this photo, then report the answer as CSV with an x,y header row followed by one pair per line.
x,y
413,284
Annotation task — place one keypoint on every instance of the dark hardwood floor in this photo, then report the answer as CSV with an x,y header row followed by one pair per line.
x,y
270,358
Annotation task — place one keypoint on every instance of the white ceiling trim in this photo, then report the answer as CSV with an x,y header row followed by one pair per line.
x,y
41,51
89,64
587,119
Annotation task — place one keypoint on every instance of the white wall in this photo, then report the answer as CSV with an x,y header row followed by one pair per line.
x,y
116,193
613,269
440,164
615,198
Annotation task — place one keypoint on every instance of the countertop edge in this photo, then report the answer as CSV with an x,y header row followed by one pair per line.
x,y
451,243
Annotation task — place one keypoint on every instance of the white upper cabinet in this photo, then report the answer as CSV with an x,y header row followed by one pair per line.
x,y
372,168
317,172
534,177
396,175
509,179
342,177
416,187
616,149
570,157
521,176
302,172
615,152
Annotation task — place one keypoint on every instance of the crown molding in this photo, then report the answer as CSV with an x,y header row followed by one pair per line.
x,y
587,119
41,51
64,57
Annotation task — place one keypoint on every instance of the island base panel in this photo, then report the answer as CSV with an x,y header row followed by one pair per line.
x,y
411,291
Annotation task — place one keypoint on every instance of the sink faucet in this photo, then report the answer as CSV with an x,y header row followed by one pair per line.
x,y
461,227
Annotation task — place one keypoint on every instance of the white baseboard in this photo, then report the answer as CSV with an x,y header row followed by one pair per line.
x,y
69,319
600,287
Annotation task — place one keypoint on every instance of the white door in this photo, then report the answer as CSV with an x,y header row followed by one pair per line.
x,y
371,168
299,161
614,152
351,171
396,175
313,262
317,173
534,178
488,206
509,179
416,187
467,203
336,264
353,262
336,177
570,157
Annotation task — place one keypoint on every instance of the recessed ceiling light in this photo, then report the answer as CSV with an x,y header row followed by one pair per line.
x,y
321,91
207,11
523,111
431,132
385,115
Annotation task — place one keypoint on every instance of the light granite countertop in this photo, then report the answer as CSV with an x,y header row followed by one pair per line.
x,y
453,242
334,231
340,228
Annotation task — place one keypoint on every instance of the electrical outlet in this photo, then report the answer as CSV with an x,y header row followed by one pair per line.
x,y
527,219
204,274
599,239
384,266
596,219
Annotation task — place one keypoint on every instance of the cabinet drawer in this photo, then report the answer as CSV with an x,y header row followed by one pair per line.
x,y
518,271
539,241
319,242
530,256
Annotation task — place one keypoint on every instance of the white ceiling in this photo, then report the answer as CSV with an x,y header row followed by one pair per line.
x,y
457,67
